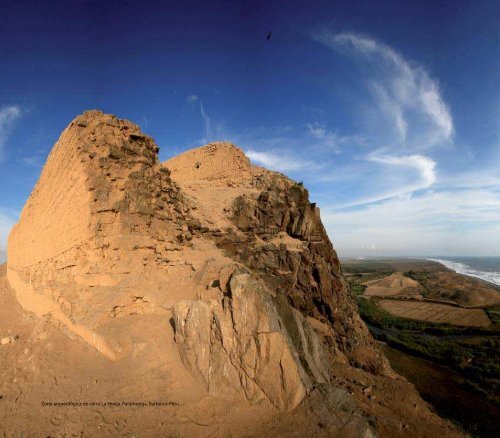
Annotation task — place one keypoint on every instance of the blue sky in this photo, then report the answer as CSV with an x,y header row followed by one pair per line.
x,y
388,111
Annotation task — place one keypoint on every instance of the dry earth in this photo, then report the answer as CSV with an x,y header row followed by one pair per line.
x,y
394,284
462,289
44,364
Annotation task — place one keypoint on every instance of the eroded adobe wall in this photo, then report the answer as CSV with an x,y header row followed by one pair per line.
x,y
102,203
56,216
103,210
220,162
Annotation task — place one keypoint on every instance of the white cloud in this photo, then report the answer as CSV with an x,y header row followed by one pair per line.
x,y
206,123
7,220
425,166
452,222
280,161
280,148
308,149
329,140
488,177
8,115
402,109
399,177
404,92
36,160
213,129
392,108
144,123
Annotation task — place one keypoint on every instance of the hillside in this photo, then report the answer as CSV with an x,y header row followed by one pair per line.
x,y
196,297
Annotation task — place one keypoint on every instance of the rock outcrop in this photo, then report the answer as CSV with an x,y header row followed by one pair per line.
x,y
251,345
203,279
285,243
268,225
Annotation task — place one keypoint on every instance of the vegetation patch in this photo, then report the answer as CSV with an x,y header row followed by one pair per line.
x,y
471,351
358,289
421,277
494,315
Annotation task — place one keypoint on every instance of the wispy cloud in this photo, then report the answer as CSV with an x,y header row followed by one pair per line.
x,y
454,222
275,148
206,122
488,177
304,149
392,108
144,123
403,114
8,115
424,165
36,159
330,140
213,129
424,177
280,161
7,220
398,177
404,92
35,147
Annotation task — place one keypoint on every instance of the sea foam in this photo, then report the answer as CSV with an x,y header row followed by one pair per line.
x,y
462,268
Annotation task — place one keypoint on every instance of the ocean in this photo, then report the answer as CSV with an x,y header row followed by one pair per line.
x,y
485,268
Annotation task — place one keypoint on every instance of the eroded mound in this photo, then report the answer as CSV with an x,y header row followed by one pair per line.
x,y
394,284
204,279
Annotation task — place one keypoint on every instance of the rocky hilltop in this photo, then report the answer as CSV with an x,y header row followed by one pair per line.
x,y
204,287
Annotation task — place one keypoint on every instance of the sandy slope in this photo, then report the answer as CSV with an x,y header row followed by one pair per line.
x,y
44,364
394,284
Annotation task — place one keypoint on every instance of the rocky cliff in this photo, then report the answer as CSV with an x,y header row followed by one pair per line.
x,y
203,280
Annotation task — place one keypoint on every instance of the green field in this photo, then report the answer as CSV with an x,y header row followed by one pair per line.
x,y
473,352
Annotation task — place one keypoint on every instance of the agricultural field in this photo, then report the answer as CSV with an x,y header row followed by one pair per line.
x,y
424,309
434,312
360,271
433,280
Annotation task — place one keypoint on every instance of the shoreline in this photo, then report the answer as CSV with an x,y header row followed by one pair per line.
x,y
469,272
491,278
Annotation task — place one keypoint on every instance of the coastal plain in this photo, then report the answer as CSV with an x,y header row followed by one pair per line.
x,y
440,329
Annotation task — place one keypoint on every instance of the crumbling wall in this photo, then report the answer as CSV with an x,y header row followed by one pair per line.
x,y
103,210
220,162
